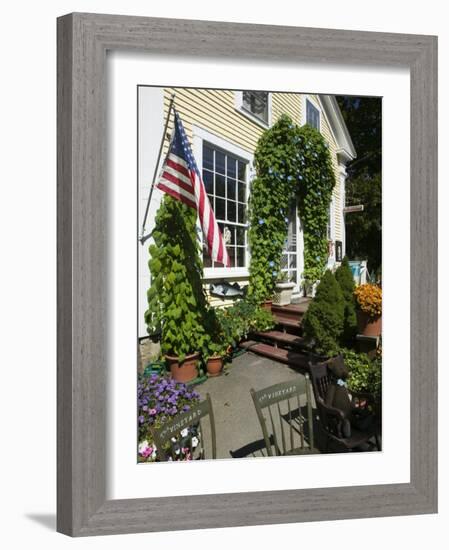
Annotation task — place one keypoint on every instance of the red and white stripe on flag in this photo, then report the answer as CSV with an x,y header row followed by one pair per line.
x,y
187,186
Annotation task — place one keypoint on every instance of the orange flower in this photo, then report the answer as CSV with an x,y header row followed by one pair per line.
x,y
369,299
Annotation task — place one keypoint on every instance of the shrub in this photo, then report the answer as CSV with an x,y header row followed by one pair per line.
x,y
369,299
345,279
323,321
243,317
365,374
177,305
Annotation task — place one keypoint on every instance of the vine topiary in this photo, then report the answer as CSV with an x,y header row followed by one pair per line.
x,y
291,163
346,281
323,321
271,193
314,194
177,305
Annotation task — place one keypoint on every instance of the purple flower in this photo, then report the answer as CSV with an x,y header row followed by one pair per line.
x,y
261,222
141,419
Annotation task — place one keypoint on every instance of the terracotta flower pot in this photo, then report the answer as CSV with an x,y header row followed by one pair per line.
x,y
214,365
183,371
267,304
369,326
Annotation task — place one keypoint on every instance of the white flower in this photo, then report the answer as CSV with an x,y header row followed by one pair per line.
x,y
143,446
173,439
184,432
195,442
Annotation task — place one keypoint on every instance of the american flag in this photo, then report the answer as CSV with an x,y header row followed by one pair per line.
x,y
181,179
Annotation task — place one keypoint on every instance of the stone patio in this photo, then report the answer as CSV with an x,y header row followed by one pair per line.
x,y
238,430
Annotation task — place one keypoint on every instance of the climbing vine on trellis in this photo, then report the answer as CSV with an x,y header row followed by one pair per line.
x,y
292,163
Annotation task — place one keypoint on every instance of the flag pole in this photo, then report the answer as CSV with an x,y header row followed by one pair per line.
x,y
144,237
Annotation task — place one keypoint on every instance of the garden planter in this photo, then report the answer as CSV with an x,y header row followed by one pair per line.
x,y
267,304
283,293
369,326
183,371
214,365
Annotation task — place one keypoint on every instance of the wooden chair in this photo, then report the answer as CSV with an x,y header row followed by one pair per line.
x,y
287,426
331,418
170,442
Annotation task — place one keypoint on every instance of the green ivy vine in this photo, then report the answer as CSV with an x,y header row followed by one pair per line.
x,y
177,305
292,163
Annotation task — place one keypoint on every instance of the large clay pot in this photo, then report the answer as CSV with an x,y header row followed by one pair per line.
x,y
369,326
184,371
214,365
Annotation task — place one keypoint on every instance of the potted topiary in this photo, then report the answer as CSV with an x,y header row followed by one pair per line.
x,y
283,290
177,305
346,281
369,309
324,319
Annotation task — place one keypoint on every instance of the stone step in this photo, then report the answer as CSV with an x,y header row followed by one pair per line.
x,y
280,339
288,322
292,358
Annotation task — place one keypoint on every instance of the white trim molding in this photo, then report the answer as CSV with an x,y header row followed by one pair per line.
x,y
199,136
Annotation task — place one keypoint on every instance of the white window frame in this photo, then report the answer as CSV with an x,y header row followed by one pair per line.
x,y
238,99
199,136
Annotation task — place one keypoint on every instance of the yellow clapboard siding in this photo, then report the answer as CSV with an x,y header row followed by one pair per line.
x,y
216,112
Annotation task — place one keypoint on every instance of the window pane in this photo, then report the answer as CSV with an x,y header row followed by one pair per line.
x,y
208,157
242,192
219,162
241,213
257,104
220,188
242,171
240,256
240,236
232,186
312,115
206,258
284,261
231,211
220,209
208,179
230,167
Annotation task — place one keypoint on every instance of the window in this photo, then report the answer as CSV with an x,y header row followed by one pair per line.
x,y
329,223
312,115
289,254
256,103
225,178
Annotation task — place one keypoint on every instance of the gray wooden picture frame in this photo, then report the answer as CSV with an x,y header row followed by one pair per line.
x,y
83,40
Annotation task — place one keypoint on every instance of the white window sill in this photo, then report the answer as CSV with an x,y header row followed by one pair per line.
x,y
211,273
252,118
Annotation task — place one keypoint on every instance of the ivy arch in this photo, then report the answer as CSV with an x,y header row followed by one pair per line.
x,y
292,163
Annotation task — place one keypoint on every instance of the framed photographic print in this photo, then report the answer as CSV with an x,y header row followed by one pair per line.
x,y
247,280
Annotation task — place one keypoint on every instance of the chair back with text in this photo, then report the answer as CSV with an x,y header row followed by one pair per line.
x,y
285,414
187,436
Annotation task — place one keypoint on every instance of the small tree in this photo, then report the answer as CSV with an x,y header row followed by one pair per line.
x,y
324,320
346,281
177,305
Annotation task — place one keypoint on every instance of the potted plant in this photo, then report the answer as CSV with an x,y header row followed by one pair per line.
x,y
283,290
369,309
177,305
160,398
215,358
